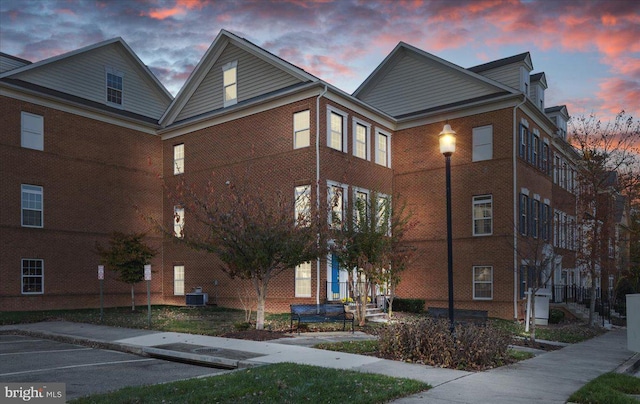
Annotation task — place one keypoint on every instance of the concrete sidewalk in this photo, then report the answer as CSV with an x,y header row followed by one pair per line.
x,y
549,378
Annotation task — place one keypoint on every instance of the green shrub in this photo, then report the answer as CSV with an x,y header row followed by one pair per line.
x,y
556,316
408,305
429,341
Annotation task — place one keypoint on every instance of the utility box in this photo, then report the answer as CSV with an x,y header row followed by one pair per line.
x,y
633,322
197,299
542,306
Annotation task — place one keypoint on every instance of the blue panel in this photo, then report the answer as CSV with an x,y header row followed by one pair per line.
x,y
335,275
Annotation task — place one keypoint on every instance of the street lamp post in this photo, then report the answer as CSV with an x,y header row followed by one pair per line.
x,y
447,148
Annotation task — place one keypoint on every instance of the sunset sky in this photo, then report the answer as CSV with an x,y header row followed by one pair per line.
x,y
589,50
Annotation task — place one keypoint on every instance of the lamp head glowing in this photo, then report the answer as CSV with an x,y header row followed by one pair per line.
x,y
447,140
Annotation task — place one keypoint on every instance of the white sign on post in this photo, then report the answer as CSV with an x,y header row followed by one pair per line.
x,y
147,272
100,272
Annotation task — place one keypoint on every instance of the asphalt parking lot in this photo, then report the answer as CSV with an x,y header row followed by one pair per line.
x,y
85,370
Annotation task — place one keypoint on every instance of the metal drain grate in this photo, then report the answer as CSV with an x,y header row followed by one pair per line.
x,y
206,350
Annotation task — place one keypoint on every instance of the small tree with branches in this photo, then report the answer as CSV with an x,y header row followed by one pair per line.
x,y
127,255
253,231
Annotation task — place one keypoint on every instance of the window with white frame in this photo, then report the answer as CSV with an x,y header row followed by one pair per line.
x,y
229,83
535,217
545,158
482,143
523,141
178,280
361,205
383,213
32,276
178,159
337,202
302,209
337,129
383,157
32,131
535,150
482,282
178,221
482,215
115,88
32,206
524,214
361,140
301,132
303,280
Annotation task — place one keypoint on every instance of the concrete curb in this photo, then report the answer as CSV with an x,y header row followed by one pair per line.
x,y
630,366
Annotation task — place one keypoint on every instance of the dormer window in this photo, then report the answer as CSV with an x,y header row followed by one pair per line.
x,y
115,81
230,85
524,81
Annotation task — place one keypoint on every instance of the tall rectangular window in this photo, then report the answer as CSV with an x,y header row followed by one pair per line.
x,y
545,218
482,283
545,158
383,213
178,221
382,149
337,203
303,205
229,83
361,141
114,87
535,217
523,141
32,276
32,206
361,206
303,280
482,215
32,131
336,131
556,229
301,132
524,214
178,159
482,143
178,280
535,150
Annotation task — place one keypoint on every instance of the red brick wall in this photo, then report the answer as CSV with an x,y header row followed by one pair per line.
x,y
92,174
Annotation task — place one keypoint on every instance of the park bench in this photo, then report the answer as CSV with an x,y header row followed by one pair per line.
x,y
320,313
460,316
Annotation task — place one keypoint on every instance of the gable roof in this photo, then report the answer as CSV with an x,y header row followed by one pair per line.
x,y
80,74
540,78
524,58
411,81
194,98
10,62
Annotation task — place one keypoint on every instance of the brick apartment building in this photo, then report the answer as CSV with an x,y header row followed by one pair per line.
x,y
89,138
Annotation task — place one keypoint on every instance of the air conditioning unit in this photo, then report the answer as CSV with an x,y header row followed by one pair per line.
x,y
197,299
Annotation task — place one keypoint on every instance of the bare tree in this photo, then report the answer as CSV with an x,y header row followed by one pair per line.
x,y
605,150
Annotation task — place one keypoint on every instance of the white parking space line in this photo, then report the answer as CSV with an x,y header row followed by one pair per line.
x,y
77,366
51,351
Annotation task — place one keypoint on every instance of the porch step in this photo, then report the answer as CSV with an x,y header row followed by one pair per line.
x,y
375,314
582,312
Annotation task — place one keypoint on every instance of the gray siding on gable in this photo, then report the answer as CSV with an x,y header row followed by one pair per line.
x,y
255,77
508,75
83,75
7,64
415,84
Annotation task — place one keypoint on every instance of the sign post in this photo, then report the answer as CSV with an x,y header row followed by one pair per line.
x,y
147,277
101,279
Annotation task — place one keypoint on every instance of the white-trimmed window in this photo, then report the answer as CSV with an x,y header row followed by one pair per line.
x,y
361,139
178,280
32,206
361,205
178,221
178,159
229,83
535,217
337,201
115,86
383,213
32,276
482,143
303,280
32,131
482,283
301,132
383,148
337,129
482,215
302,196
524,214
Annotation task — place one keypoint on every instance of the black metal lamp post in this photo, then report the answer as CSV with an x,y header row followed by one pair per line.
x,y
447,148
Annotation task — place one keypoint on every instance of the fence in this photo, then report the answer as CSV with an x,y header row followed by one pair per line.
x,y
582,295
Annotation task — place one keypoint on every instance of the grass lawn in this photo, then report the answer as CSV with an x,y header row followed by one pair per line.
x,y
278,383
610,388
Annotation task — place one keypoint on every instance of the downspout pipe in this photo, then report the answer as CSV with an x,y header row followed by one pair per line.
x,y
318,186
515,209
